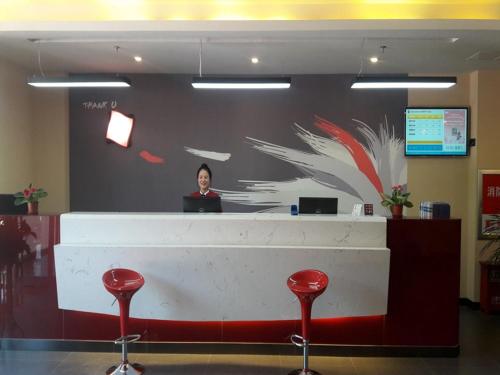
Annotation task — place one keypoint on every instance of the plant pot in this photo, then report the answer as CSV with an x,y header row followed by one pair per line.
x,y
397,211
32,208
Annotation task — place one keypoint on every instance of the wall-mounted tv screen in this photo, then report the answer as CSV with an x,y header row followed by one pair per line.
x,y
437,131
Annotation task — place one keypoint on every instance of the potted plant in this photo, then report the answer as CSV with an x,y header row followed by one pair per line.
x,y
30,195
490,252
396,201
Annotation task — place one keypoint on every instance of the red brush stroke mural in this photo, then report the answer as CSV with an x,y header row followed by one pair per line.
x,y
150,158
355,148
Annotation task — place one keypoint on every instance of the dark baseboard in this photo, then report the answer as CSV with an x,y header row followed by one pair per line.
x,y
232,348
467,302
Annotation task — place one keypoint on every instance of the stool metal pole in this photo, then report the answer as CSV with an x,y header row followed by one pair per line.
x,y
303,341
306,354
125,368
304,344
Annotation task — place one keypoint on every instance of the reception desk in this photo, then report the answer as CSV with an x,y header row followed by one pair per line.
x,y
421,317
223,267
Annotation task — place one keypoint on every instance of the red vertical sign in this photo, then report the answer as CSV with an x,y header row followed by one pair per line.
x,y
491,194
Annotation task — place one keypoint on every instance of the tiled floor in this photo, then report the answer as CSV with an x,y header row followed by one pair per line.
x,y
480,343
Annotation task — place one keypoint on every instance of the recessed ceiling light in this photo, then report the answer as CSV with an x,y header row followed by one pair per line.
x,y
374,59
255,60
138,58
453,40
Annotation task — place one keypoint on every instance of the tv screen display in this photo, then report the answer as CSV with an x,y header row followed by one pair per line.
x,y
437,131
316,205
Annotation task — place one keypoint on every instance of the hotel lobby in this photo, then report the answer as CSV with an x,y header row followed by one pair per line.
x,y
224,214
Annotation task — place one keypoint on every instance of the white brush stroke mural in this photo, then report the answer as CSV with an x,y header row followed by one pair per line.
x,y
336,166
219,156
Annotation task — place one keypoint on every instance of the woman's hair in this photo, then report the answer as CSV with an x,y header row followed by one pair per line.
x,y
204,167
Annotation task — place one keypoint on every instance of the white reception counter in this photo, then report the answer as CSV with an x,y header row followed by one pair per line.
x,y
218,267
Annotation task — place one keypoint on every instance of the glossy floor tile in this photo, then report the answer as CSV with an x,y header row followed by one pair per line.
x,y
479,339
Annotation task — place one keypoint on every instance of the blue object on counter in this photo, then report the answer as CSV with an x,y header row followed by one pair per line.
x,y
294,210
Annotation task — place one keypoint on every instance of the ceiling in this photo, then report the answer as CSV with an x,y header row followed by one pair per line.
x,y
283,47
195,10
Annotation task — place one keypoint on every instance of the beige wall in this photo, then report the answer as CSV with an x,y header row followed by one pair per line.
x,y
488,137
16,154
488,131
33,138
469,226
454,180
51,147
444,179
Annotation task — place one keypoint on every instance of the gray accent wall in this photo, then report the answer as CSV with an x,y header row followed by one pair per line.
x,y
170,115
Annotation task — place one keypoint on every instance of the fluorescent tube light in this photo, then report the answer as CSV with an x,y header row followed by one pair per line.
x,y
241,83
403,82
80,81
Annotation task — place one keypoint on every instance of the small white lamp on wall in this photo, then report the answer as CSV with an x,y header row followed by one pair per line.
x,y
119,128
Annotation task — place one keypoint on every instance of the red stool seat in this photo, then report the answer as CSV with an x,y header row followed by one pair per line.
x,y
307,285
123,284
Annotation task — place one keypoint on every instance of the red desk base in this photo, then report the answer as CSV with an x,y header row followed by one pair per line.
x,y
422,311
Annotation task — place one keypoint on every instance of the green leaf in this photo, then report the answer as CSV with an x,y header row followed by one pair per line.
x,y
19,201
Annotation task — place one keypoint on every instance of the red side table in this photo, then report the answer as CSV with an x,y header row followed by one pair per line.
x,y
490,287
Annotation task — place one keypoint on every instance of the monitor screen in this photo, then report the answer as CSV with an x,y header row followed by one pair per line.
x,y
7,205
317,205
197,204
437,131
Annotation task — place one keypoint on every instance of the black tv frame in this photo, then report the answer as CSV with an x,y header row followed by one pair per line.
x,y
467,140
201,204
318,205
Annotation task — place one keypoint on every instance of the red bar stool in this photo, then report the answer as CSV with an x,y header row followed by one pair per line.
x,y
123,283
306,285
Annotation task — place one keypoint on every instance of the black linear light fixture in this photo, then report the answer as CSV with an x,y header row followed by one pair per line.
x,y
241,82
238,83
393,82
80,81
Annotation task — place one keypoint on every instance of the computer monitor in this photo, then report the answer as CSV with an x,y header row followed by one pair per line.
x,y
313,205
7,206
196,204
437,131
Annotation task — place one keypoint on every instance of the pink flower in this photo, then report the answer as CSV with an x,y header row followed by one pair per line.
x,y
26,193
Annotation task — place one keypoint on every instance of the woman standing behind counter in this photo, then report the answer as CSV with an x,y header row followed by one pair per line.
x,y
204,177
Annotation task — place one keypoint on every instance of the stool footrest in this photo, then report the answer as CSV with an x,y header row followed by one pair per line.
x,y
297,340
127,339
